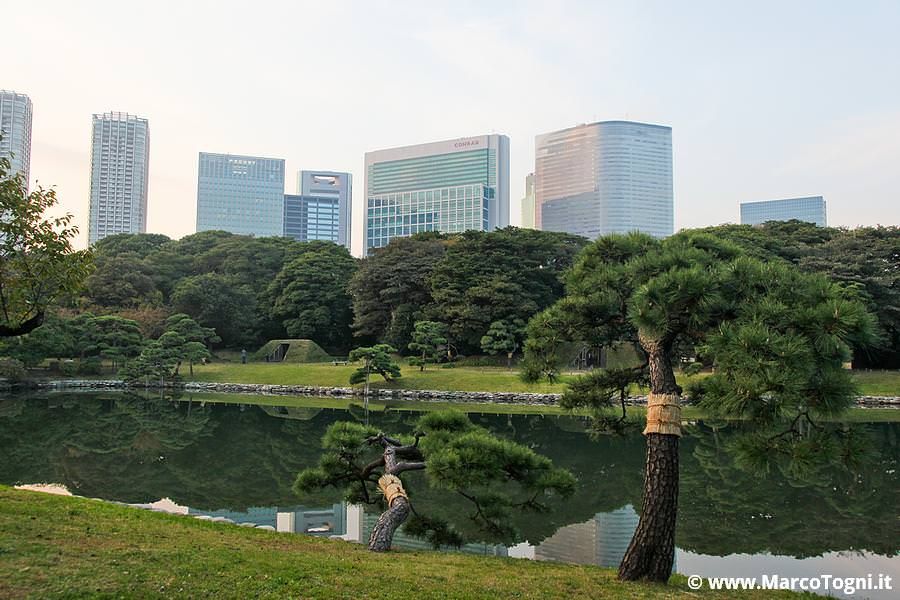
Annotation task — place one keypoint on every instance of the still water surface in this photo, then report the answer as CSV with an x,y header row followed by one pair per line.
x,y
239,461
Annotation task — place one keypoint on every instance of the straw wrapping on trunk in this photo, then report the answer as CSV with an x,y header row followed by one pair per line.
x,y
663,414
392,488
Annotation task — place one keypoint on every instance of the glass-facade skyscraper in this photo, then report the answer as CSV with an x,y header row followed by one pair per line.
x,y
120,161
321,208
308,218
240,194
606,177
528,203
449,186
15,132
810,209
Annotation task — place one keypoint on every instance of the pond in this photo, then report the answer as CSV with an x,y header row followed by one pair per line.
x,y
228,456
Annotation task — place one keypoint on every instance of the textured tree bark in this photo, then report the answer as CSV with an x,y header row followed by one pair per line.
x,y
390,520
651,553
398,504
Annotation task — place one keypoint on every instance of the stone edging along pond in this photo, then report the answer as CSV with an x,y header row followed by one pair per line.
x,y
346,392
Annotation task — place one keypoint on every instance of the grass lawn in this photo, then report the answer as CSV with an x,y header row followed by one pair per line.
x,y
879,383
464,379
56,546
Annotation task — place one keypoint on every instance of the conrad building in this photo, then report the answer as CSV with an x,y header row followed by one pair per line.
x,y
15,132
120,161
240,194
449,186
606,177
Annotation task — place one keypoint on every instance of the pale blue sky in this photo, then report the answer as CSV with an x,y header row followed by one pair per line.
x,y
766,99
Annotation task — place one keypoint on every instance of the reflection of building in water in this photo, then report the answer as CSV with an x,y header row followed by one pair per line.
x,y
615,530
367,517
601,541
299,519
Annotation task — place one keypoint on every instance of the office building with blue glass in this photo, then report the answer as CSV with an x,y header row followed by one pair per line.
x,y
240,194
606,177
449,186
810,209
321,208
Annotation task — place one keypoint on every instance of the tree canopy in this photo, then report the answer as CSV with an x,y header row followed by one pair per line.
x,y
777,337
309,295
38,264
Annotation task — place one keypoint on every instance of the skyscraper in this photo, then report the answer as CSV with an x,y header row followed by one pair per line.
x,y
606,177
120,159
15,132
321,210
528,203
810,209
447,186
240,194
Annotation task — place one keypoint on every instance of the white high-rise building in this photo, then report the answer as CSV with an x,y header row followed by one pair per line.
x,y
449,186
15,132
120,160
606,177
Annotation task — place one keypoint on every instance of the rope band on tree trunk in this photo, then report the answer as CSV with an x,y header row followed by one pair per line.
x,y
392,488
663,414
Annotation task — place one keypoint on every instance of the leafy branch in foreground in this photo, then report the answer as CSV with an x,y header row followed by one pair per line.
x,y
38,264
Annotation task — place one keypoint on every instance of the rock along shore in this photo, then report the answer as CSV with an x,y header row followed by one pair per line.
x,y
347,392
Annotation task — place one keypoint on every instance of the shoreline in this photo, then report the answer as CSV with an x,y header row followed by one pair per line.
x,y
262,389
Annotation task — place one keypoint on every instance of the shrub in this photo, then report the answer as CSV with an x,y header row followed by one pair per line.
x,y
90,366
69,368
12,369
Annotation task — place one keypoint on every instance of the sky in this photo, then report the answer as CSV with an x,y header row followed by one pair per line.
x,y
765,99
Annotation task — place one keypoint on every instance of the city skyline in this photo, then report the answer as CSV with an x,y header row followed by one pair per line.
x,y
746,126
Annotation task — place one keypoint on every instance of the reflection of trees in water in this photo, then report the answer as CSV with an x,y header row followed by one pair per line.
x,y
128,448
845,497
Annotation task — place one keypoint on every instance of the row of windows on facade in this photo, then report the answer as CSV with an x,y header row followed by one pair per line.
x,y
454,193
380,237
426,216
395,208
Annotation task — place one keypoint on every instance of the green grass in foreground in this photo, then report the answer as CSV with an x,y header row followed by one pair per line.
x,y
53,546
464,379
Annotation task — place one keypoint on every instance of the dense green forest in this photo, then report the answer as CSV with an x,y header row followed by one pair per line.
x,y
479,286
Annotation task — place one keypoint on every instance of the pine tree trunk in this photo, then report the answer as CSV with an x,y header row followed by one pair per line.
x,y
383,533
651,554
398,503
